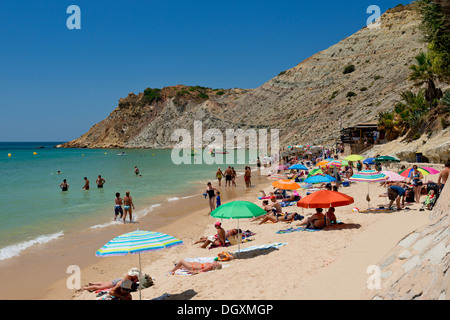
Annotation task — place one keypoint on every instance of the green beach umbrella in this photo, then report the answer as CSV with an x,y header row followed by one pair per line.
x,y
238,210
386,159
137,242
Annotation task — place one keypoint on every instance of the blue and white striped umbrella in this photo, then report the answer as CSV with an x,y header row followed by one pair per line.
x,y
137,242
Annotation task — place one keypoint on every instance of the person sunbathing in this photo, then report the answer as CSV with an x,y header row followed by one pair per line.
x,y
288,217
195,267
119,288
316,221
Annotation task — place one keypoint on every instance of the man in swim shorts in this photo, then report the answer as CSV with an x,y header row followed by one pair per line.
x,y
443,176
394,194
228,173
86,184
118,207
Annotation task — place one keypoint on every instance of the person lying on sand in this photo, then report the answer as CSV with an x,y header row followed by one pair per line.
x,y
195,267
120,288
288,217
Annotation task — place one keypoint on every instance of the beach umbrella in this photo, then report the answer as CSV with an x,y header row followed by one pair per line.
x,y
282,167
354,157
137,242
335,163
369,161
322,163
238,210
313,172
286,184
325,199
369,176
329,159
393,176
298,166
277,177
386,159
319,178
408,172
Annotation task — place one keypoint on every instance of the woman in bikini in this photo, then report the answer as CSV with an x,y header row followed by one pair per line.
x,y
416,179
127,205
316,221
196,267
219,175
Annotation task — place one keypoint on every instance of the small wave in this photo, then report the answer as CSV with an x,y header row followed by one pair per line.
x,y
15,249
187,197
173,199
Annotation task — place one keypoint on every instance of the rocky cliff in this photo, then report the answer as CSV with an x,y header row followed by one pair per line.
x,y
353,80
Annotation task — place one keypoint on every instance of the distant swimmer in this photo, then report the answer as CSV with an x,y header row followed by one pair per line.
x,y
136,171
100,181
127,205
59,172
118,207
64,185
86,184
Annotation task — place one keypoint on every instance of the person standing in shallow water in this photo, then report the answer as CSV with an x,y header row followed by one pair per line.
x,y
64,185
100,181
86,184
127,206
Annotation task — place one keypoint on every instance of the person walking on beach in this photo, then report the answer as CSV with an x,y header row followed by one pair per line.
x,y
127,205
233,177
64,185
118,206
228,173
211,192
86,184
219,175
100,181
258,163
443,176
247,177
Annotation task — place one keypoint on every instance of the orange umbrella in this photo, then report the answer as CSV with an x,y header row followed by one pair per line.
x,y
325,199
286,185
322,163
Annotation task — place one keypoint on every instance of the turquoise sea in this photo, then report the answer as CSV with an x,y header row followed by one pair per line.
x,y
35,210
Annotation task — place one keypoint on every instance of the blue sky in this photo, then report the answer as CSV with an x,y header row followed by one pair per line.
x,y
56,83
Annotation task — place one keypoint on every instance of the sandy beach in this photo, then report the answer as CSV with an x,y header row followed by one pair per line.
x,y
327,264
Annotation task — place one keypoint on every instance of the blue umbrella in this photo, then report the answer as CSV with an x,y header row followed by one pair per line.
x,y
329,159
298,166
369,161
320,178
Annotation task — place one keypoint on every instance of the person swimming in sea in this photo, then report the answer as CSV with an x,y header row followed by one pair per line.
x,y
136,170
118,206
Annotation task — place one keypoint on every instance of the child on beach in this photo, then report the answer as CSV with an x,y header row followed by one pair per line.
x,y
118,207
218,203
430,199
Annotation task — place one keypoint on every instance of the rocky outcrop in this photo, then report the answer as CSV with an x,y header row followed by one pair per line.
x,y
417,268
353,80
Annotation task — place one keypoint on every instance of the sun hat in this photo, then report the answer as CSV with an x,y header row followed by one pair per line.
x,y
134,272
217,224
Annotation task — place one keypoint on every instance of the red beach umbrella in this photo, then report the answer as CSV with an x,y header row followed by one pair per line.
x,y
325,199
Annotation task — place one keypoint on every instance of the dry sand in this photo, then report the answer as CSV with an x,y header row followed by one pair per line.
x,y
327,264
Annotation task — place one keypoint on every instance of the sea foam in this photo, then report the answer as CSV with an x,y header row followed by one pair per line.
x,y
15,249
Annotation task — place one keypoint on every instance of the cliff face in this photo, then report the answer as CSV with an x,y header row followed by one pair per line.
x,y
304,102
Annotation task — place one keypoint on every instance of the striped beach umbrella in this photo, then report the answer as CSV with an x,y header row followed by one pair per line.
x,y
369,176
137,242
424,170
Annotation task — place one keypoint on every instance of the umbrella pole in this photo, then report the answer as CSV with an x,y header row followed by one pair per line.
x,y
239,243
140,272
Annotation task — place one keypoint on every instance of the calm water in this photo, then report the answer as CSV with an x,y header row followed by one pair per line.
x,y
35,210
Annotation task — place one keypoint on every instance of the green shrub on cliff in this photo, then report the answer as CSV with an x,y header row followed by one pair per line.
x,y
151,95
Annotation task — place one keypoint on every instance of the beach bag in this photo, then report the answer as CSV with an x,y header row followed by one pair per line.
x,y
224,256
235,239
146,281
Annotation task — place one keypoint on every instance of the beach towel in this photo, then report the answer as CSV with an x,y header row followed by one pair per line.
x,y
288,204
290,230
275,245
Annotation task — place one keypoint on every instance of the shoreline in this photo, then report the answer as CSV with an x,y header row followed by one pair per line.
x,y
51,260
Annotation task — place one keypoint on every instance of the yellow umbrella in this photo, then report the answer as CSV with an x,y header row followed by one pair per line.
x,y
354,157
